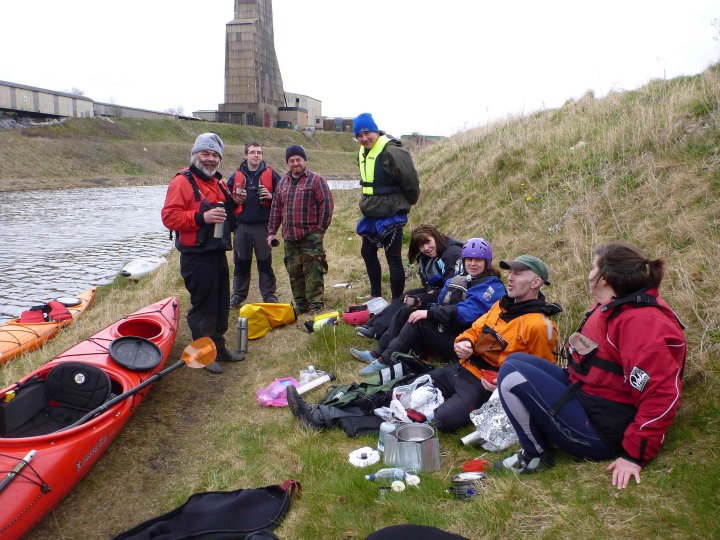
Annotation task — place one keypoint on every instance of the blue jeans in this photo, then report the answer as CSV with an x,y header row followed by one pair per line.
x,y
529,387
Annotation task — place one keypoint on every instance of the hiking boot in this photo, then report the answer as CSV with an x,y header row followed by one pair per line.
x,y
300,308
366,332
235,301
315,308
301,410
214,367
226,355
374,367
271,299
363,356
521,463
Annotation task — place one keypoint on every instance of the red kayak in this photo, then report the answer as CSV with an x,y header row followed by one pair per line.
x,y
43,453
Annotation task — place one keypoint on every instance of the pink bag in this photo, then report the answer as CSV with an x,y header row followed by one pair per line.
x,y
275,394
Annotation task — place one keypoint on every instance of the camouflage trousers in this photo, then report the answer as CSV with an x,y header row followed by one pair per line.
x,y
306,265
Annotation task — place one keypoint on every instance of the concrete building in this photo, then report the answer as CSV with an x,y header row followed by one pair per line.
x,y
310,106
253,83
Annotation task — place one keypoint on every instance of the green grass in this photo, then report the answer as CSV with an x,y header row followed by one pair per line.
x,y
648,173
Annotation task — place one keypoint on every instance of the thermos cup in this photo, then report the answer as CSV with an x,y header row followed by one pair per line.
x,y
218,233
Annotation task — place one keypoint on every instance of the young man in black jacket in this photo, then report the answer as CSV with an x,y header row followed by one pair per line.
x,y
254,183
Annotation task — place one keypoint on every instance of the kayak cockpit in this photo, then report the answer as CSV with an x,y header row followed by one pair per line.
x,y
43,406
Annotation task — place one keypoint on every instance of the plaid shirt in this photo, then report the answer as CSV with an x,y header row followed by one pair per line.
x,y
303,205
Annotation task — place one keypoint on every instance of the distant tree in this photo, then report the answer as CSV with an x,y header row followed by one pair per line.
x,y
76,92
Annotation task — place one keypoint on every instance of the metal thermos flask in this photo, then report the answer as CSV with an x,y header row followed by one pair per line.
x,y
242,333
218,233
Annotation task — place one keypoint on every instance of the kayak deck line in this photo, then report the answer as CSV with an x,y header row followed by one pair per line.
x,y
17,472
38,412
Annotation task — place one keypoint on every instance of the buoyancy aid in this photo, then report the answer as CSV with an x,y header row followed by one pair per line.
x,y
457,288
610,386
511,327
432,271
53,311
374,179
588,350
203,238
237,180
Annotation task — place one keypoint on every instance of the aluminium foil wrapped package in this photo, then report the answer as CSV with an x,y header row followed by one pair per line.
x,y
493,425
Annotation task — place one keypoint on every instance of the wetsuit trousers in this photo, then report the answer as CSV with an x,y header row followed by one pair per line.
x,y
422,336
463,393
393,256
392,330
384,320
251,237
529,387
207,279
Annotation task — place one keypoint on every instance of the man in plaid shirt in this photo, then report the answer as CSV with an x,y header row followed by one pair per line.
x,y
303,204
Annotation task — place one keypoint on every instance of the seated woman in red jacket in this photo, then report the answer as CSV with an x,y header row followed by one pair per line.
x,y
622,389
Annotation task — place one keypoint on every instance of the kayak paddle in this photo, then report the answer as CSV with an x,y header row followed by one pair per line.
x,y
198,354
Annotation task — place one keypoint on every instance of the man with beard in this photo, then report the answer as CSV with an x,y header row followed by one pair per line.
x,y
303,204
197,200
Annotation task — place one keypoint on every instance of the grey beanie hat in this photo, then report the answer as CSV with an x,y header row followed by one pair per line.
x,y
210,142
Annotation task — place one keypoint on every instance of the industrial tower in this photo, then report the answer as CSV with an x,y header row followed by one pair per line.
x,y
253,83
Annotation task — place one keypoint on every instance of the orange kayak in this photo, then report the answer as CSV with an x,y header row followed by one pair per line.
x,y
38,436
17,338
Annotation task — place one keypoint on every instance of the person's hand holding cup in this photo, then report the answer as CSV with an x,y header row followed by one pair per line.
x,y
264,194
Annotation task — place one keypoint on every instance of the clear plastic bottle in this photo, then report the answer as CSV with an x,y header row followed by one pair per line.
x,y
309,374
385,428
395,473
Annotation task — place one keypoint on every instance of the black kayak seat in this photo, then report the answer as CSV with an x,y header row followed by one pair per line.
x,y
70,390
78,386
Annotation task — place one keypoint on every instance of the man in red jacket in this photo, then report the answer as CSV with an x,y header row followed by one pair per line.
x,y
200,209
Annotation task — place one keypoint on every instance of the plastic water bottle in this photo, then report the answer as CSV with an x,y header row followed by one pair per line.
x,y
318,325
387,474
314,383
307,375
385,428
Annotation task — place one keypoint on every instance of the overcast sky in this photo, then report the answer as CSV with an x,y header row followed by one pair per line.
x,y
417,65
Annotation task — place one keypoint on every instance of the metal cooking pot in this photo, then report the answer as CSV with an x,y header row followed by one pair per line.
x,y
413,447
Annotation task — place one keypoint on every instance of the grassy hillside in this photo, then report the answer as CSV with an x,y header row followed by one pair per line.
x,y
128,151
640,166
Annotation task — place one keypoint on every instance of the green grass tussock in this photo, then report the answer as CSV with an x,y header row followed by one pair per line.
x,y
640,166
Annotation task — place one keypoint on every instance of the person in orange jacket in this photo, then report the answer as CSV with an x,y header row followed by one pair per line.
x,y
518,322
197,201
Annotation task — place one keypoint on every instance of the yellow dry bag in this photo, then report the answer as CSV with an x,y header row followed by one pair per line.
x,y
264,316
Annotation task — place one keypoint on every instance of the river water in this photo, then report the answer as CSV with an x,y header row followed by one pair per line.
x,y
59,243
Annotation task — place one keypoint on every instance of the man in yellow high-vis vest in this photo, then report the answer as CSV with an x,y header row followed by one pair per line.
x,y
390,186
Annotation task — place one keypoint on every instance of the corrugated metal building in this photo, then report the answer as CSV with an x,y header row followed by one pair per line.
x,y
42,102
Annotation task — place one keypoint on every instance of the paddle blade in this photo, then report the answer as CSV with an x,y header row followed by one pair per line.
x,y
199,353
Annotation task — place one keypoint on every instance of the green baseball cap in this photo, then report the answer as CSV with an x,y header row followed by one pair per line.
x,y
528,262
